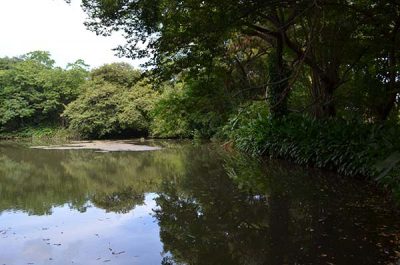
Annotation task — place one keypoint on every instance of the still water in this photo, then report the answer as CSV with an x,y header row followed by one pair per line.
x,y
185,204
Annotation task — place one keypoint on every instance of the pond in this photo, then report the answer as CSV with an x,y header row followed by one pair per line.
x,y
185,204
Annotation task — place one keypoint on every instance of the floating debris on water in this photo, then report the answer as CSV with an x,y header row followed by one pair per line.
x,y
102,146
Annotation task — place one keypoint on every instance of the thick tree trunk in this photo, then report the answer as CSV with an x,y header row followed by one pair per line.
x,y
322,94
393,87
278,90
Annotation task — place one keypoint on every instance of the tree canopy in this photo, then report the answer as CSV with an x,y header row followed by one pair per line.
x,y
34,91
329,41
114,102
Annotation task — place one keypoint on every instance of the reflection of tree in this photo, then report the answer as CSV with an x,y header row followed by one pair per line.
x,y
36,180
205,219
286,215
120,201
212,208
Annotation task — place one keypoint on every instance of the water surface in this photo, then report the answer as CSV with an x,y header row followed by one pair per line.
x,y
185,204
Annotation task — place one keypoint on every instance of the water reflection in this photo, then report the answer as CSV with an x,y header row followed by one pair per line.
x,y
70,237
185,205
37,180
273,214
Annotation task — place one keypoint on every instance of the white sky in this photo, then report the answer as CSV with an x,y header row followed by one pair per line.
x,y
54,26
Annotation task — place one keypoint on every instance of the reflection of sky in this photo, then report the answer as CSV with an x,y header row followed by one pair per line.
x,y
70,237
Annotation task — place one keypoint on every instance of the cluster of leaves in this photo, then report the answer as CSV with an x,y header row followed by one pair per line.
x,y
114,102
350,148
33,91
193,107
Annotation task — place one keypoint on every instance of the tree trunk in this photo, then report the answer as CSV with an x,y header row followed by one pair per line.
x,y
393,86
278,90
322,96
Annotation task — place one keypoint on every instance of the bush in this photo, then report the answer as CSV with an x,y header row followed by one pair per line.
x,y
246,127
43,132
350,148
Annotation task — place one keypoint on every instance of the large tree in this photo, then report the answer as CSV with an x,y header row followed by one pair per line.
x,y
328,39
33,91
114,102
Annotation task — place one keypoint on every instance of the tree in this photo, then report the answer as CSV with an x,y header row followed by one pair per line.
x,y
122,74
193,106
328,39
113,103
33,91
42,57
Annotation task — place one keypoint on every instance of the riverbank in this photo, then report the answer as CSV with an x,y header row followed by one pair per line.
x,y
41,132
354,149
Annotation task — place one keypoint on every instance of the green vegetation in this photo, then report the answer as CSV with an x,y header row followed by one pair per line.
x,y
34,92
193,107
113,102
350,148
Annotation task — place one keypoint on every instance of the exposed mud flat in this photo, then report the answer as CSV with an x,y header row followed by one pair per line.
x,y
101,146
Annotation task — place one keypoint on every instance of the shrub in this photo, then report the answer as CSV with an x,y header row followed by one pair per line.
x,y
350,148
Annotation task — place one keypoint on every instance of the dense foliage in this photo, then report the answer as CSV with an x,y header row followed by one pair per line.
x,y
192,108
330,42
113,103
33,91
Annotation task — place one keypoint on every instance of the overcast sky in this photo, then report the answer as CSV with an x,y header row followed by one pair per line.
x,y
54,26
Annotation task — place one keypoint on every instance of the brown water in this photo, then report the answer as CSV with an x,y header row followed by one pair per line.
x,y
185,204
